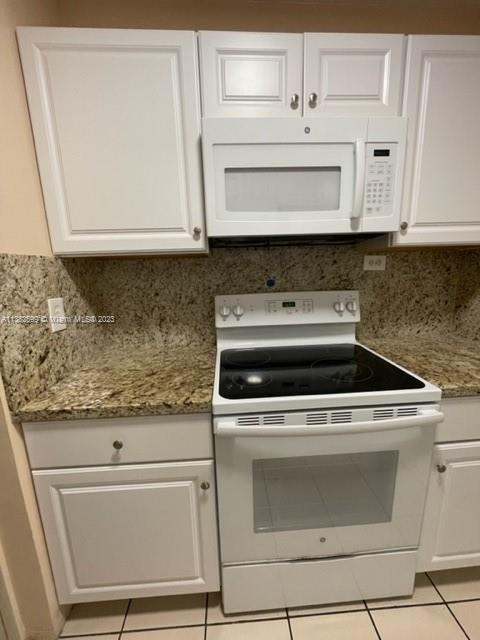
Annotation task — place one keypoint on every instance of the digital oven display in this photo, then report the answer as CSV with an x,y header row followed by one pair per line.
x,y
289,303
381,152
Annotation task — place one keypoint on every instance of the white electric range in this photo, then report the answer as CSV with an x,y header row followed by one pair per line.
x,y
323,450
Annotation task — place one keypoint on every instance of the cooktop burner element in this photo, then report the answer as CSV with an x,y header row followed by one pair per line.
x,y
247,357
308,370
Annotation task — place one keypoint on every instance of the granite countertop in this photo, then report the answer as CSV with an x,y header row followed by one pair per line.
x,y
448,361
152,381
148,381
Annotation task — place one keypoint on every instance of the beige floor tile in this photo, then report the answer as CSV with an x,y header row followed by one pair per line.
x,y
262,630
108,636
167,611
457,584
338,626
417,623
325,608
425,593
215,612
95,617
188,633
468,614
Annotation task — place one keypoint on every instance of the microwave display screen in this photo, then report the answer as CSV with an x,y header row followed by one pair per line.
x,y
272,189
289,303
381,152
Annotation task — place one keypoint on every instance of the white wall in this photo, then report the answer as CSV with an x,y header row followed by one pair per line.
x,y
23,226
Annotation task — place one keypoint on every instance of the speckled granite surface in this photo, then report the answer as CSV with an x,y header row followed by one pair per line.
x,y
144,382
167,302
449,361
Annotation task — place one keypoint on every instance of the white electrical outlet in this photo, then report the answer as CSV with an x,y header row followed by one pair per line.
x,y
56,314
374,263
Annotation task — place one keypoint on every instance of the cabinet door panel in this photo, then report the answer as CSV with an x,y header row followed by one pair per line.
x,y
451,528
116,122
353,74
251,74
442,190
129,531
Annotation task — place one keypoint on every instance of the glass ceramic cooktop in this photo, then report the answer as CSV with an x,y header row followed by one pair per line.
x,y
273,372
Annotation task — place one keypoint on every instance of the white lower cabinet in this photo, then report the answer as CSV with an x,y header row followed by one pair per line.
x,y
451,529
130,530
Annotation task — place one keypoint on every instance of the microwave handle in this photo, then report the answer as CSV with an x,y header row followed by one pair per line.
x,y
359,152
227,428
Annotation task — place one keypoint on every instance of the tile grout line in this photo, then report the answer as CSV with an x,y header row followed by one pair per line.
x,y
125,618
206,617
289,624
447,605
371,619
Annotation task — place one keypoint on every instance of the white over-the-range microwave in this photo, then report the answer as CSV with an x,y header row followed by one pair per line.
x,y
284,177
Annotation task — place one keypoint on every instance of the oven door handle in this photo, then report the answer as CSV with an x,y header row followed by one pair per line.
x,y
228,428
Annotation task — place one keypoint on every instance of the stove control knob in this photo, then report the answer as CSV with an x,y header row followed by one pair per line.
x,y
238,311
224,311
352,306
339,306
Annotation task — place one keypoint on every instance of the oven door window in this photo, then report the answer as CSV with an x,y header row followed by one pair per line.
x,y
318,492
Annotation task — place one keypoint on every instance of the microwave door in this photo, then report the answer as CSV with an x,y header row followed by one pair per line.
x,y
282,189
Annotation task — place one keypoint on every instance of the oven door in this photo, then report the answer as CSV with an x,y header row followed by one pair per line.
x,y
345,489
276,179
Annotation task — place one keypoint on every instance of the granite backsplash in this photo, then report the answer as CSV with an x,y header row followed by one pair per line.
x,y
168,301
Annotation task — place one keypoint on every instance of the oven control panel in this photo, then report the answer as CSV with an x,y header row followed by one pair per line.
x,y
305,307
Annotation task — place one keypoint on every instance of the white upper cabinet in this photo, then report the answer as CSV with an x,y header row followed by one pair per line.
x,y
442,102
350,74
116,121
251,74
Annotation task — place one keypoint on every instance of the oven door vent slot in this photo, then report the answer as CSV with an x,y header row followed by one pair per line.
x,y
407,411
317,418
248,420
383,414
275,419
340,416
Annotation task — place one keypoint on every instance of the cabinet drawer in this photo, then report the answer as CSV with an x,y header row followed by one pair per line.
x,y
462,421
93,442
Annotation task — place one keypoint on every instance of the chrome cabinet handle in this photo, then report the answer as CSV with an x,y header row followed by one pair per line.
x,y
441,468
205,486
404,226
197,232
312,100
118,444
294,101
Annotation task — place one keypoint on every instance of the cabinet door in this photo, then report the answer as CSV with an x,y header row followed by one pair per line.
x,y
442,98
251,74
350,74
451,527
116,121
130,531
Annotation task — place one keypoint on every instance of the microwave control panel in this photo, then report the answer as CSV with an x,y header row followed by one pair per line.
x,y
379,178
